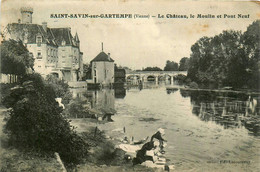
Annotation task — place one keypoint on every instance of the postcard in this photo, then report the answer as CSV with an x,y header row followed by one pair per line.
x,y
120,85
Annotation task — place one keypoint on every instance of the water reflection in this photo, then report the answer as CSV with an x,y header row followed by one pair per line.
x,y
102,99
120,93
229,109
102,102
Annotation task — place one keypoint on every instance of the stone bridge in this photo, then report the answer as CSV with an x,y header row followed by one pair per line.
x,y
143,76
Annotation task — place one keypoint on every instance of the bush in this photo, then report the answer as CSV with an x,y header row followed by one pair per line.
x,y
61,88
36,121
78,109
105,151
5,90
180,78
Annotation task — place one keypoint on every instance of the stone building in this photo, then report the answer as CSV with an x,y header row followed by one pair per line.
x,y
102,69
55,50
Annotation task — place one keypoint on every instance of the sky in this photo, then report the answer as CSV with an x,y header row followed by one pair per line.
x,y
141,42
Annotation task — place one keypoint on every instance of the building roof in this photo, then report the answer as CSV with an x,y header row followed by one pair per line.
x,y
50,36
102,57
76,37
63,34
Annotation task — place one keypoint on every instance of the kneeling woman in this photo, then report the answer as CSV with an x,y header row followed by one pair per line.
x,y
141,155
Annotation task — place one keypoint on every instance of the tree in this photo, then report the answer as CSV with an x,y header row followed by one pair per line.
x,y
15,58
219,60
36,121
184,64
61,88
200,60
86,71
171,66
152,69
251,42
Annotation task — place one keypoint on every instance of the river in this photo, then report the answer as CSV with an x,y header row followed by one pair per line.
x,y
205,130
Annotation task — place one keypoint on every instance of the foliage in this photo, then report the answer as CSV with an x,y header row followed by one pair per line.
x,y
105,151
228,59
61,88
171,66
251,42
15,58
152,69
193,85
184,64
5,90
78,108
180,78
36,121
86,71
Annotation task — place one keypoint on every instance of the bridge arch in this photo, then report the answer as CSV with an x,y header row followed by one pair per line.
x,y
151,78
132,77
161,77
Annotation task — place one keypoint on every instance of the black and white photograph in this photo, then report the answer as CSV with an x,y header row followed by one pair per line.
x,y
129,86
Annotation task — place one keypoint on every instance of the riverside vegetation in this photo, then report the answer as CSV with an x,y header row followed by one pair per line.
x,y
230,58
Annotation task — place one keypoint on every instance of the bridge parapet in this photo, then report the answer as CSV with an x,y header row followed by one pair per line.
x,y
156,73
143,76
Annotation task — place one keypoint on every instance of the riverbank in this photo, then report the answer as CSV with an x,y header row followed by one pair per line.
x,y
103,154
12,159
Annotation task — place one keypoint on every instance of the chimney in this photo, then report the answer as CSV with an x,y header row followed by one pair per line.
x,y
44,25
102,46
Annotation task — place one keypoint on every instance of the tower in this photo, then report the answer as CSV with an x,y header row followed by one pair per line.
x,y
26,14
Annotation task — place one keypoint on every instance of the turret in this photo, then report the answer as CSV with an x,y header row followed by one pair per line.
x,y
26,14
76,38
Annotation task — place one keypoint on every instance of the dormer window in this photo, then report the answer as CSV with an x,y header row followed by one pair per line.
x,y
39,40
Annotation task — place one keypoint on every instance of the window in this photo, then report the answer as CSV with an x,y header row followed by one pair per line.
x,y
39,40
39,55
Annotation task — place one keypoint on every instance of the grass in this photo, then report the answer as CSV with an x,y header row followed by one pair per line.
x,y
12,159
